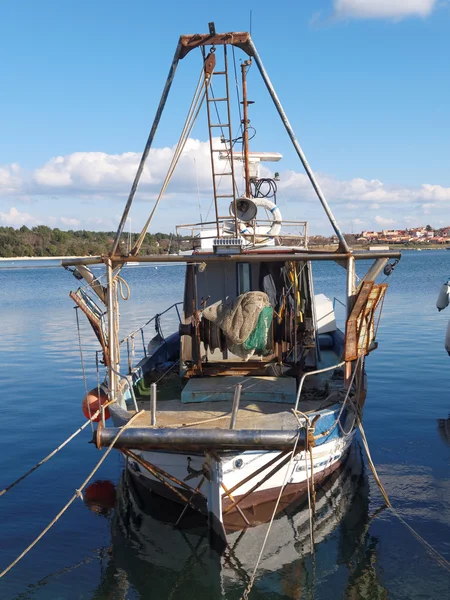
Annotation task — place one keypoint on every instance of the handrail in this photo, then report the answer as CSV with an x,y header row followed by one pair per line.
x,y
340,302
133,333
305,375
130,386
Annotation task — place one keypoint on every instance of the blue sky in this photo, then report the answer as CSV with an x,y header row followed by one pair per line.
x,y
365,84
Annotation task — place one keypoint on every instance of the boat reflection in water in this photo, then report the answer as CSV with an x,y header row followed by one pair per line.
x,y
444,429
156,559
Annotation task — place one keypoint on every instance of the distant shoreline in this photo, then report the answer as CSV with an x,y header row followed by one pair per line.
x,y
317,247
3,258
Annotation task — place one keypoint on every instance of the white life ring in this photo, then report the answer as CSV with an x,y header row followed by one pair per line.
x,y
261,232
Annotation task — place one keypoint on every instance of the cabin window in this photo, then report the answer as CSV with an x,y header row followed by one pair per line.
x,y
243,278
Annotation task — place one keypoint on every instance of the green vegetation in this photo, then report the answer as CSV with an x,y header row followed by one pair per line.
x,y
44,241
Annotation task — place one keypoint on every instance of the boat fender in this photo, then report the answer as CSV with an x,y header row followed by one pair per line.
x,y
93,401
444,296
447,339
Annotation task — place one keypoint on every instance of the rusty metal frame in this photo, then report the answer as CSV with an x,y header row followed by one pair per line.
x,y
96,326
361,320
162,477
299,256
240,39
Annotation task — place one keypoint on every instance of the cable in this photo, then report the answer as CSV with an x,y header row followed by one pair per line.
x,y
258,190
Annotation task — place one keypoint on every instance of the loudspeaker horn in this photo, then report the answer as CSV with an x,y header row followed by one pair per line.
x,y
246,209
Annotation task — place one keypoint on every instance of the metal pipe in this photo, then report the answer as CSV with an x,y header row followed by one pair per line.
x,y
243,257
144,463
146,438
305,375
236,400
297,147
111,331
245,122
148,145
375,269
208,114
224,487
350,284
233,177
153,405
350,302
151,469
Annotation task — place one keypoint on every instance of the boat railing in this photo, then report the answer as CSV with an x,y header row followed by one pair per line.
x,y
129,381
339,301
316,372
130,338
252,231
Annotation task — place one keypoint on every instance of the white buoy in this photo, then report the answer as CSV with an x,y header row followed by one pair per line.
x,y
443,297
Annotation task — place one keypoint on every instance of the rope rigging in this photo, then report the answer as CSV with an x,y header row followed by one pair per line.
x,y
194,109
77,494
55,451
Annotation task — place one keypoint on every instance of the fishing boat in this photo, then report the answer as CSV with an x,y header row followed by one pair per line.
x,y
154,558
254,399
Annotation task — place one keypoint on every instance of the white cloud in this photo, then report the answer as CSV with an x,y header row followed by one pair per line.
x,y
382,9
427,207
70,221
10,179
87,189
14,218
114,173
383,221
436,193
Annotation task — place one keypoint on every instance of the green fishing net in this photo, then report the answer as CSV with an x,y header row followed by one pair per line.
x,y
257,340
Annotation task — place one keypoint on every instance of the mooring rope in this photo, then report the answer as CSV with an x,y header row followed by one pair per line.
x,y
55,451
443,562
288,471
78,494
83,370
311,493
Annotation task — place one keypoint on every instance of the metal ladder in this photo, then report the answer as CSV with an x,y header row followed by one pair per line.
x,y
225,128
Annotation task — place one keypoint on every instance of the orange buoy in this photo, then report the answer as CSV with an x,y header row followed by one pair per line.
x,y
91,404
100,495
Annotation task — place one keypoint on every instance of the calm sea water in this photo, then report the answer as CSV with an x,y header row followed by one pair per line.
x,y
361,553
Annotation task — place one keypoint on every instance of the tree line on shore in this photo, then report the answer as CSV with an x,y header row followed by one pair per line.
x,y
43,241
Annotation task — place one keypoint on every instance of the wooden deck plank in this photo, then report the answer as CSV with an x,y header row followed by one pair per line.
x,y
254,388
251,415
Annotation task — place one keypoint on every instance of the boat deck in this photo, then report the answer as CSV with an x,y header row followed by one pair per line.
x,y
265,403
217,414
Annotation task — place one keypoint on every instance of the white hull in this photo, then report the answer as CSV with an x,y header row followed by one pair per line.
x,y
232,468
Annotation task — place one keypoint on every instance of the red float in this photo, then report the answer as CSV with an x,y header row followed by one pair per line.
x,y
92,403
100,495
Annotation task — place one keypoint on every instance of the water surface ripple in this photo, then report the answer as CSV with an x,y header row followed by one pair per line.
x,y
125,555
